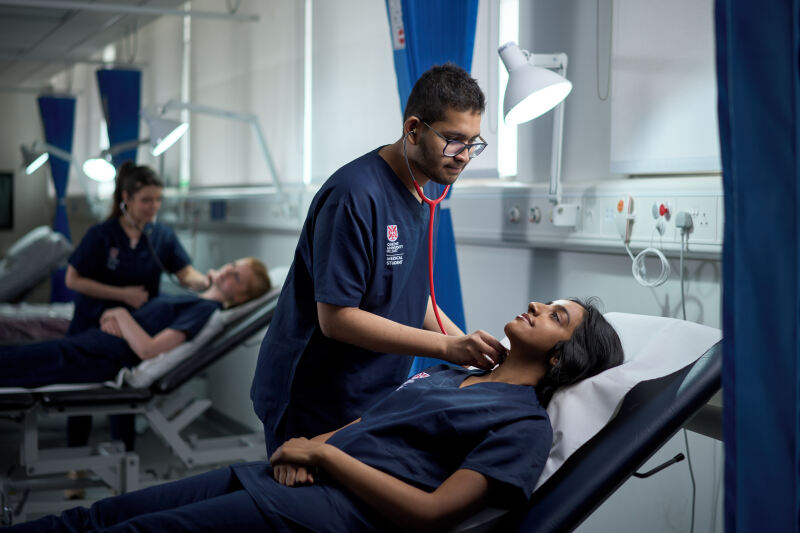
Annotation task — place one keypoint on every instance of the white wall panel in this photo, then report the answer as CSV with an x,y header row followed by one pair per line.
x,y
355,104
249,68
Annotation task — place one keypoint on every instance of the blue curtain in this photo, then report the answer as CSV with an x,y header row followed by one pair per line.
x,y
58,121
757,72
120,97
420,41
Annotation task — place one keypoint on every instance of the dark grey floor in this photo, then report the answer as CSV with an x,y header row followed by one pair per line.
x,y
157,463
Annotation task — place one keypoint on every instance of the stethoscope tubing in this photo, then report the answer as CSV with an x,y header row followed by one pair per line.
x,y
432,205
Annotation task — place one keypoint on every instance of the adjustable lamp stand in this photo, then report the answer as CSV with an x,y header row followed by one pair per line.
x,y
247,118
37,155
532,91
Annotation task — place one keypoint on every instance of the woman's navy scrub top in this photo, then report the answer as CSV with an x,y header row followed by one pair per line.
x,y
363,244
104,255
422,433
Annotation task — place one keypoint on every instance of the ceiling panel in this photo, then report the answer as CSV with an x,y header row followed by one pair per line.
x,y
37,43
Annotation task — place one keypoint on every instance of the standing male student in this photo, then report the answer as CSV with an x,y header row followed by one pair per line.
x,y
355,305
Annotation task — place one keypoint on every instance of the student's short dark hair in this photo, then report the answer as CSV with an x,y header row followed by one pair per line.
x,y
441,88
593,348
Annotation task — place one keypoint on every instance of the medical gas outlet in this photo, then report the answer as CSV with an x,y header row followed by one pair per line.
x,y
624,217
662,211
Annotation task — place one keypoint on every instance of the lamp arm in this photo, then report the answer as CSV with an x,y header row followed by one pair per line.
x,y
96,210
55,150
248,118
557,62
124,146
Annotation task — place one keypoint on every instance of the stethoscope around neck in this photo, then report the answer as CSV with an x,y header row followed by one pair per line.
x,y
145,231
432,205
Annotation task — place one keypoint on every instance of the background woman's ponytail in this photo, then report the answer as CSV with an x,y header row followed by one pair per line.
x,y
131,178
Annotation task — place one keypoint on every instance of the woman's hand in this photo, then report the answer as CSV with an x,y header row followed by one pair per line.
x,y
111,326
290,474
115,313
134,295
478,349
293,460
300,451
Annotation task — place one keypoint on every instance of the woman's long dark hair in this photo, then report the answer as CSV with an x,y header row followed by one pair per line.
x,y
131,178
593,347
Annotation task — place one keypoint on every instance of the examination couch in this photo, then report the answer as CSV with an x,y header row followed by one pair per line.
x,y
168,408
649,414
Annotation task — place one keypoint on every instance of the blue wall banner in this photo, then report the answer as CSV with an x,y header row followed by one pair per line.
x,y
58,122
120,98
419,43
758,106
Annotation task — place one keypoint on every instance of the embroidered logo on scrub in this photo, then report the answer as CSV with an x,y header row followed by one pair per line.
x,y
394,250
113,259
415,376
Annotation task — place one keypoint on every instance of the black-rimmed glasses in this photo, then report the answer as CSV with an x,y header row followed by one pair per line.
x,y
452,147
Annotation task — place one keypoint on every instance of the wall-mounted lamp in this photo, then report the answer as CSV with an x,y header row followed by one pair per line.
x,y
37,153
164,132
247,118
537,84
34,156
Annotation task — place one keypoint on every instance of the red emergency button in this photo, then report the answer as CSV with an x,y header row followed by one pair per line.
x,y
663,210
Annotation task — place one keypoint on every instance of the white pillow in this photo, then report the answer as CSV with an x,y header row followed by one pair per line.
x,y
146,372
654,347
31,259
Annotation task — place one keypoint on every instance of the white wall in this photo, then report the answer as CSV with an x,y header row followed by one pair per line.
x,y
253,68
355,103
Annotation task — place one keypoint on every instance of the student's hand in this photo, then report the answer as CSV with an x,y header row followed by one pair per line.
x,y
478,349
290,475
134,295
111,326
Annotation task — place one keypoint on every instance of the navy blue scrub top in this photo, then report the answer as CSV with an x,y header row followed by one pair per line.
x,y
183,312
363,244
94,355
429,428
104,255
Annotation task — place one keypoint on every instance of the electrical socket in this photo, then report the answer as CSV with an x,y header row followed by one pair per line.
x,y
704,218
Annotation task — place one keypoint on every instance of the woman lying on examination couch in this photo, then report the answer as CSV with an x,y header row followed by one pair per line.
x,y
445,443
124,339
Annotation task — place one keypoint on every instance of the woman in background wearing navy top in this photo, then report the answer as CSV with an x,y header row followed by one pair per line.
x,y
118,263
124,339
445,443
114,264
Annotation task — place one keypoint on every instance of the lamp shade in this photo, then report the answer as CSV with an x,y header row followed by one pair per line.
x,y
32,158
164,132
531,91
99,169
